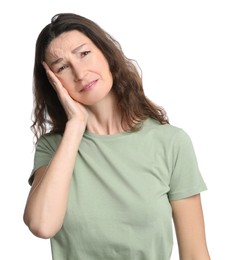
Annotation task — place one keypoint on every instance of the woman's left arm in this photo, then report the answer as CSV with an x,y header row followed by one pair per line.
x,y
190,230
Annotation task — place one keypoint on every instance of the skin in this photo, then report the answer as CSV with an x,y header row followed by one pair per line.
x,y
190,230
80,75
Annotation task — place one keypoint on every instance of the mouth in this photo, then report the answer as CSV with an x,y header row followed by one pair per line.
x,y
89,86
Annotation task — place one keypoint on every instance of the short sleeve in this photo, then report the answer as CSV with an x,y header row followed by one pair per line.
x,y
186,179
45,149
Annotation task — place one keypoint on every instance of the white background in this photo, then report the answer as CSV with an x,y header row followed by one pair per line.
x,y
182,48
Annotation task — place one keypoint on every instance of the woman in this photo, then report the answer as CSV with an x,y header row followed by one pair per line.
x,y
109,172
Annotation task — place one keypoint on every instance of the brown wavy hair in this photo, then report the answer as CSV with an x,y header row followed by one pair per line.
x,y
48,113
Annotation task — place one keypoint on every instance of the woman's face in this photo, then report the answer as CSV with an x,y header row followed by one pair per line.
x,y
80,66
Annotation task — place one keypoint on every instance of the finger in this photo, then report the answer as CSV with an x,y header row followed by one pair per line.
x,y
51,76
46,67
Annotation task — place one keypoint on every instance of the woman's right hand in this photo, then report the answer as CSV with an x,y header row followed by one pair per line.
x,y
73,109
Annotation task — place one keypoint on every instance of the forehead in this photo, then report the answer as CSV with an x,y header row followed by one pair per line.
x,y
67,41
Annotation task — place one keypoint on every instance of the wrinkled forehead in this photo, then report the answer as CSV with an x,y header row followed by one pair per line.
x,y
67,41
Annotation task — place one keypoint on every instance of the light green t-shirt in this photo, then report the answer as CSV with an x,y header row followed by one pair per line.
x,y
121,187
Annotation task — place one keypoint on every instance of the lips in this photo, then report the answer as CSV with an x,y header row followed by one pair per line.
x,y
88,86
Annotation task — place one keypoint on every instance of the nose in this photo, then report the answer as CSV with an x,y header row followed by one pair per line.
x,y
79,72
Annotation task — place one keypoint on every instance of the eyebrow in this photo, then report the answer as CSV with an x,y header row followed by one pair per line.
x,y
74,50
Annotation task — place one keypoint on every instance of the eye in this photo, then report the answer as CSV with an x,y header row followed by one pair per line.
x,y
84,53
62,68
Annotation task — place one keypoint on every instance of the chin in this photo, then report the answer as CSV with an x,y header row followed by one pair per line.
x,y
92,100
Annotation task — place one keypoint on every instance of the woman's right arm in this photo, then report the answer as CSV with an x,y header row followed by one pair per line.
x,y
47,201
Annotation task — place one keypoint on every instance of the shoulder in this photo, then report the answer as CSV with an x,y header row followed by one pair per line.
x,y
164,131
49,140
172,137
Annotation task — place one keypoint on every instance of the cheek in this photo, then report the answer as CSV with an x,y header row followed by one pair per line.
x,y
100,63
66,82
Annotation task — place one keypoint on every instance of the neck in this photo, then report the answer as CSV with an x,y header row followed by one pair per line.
x,y
105,117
